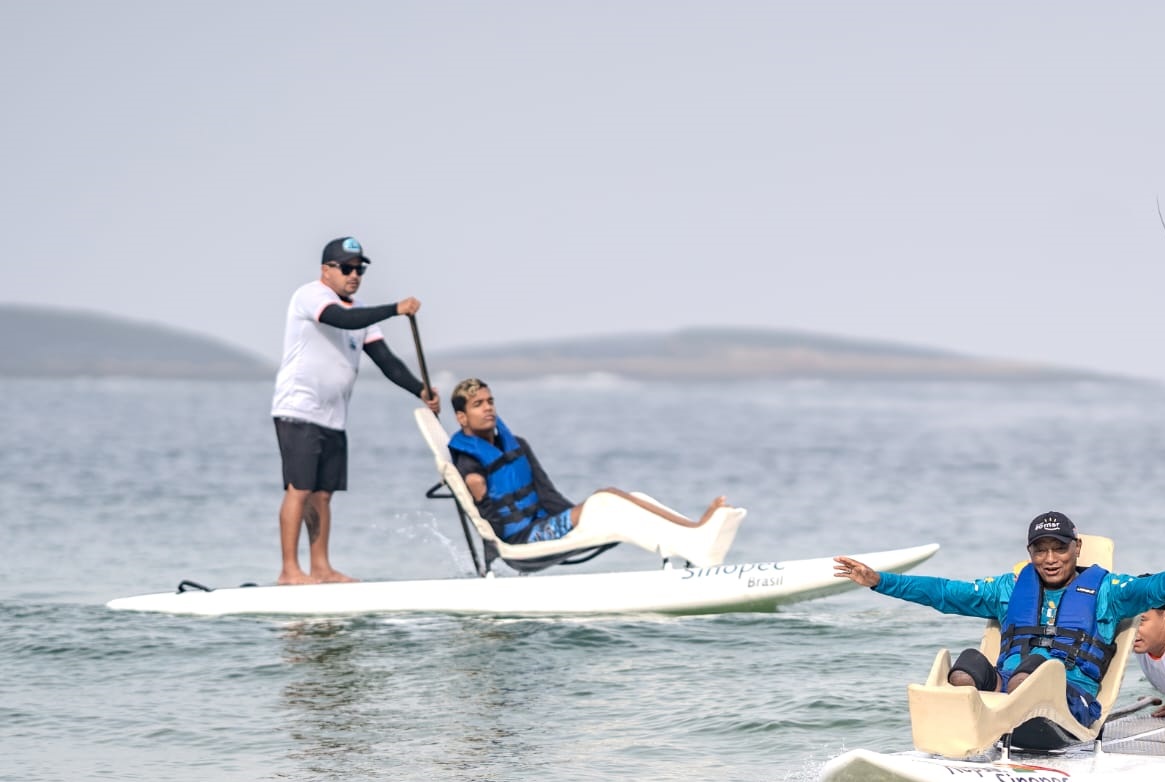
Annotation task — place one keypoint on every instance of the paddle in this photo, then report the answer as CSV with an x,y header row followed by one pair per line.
x,y
420,355
431,493
1141,703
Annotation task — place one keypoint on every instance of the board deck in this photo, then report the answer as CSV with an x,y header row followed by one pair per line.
x,y
752,587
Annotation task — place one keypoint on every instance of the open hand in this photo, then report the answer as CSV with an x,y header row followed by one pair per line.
x,y
856,572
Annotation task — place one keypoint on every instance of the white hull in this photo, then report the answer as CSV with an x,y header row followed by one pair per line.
x,y
1132,750
761,586
862,765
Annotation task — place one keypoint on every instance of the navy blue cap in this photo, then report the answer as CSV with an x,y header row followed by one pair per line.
x,y
1052,524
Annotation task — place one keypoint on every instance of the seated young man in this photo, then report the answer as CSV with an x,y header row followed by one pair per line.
x,y
511,490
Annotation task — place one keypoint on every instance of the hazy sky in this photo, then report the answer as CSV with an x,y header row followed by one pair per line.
x,y
978,176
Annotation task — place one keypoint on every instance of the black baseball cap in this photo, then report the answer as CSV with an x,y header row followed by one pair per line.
x,y
344,250
1052,524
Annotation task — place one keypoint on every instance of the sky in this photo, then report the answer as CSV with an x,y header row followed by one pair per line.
x,y
981,177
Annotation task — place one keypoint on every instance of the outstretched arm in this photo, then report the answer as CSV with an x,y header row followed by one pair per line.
x,y
984,598
1139,594
857,572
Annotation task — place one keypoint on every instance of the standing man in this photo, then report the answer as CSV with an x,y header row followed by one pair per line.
x,y
327,330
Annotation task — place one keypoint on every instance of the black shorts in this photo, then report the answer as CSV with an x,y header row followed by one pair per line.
x,y
314,457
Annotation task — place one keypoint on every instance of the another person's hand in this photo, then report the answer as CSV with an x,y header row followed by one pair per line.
x,y
856,572
1160,712
432,398
408,306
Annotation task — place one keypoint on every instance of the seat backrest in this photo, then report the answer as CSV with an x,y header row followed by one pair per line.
x,y
1111,683
1096,550
438,440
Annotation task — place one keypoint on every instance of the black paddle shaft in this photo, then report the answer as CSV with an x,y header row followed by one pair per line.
x,y
420,354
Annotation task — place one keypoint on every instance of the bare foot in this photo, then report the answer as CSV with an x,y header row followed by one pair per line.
x,y
333,577
717,504
296,576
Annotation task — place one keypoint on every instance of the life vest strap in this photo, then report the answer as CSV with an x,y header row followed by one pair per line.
x,y
1070,646
506,459
515,501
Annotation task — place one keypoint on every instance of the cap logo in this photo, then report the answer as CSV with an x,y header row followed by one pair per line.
x,y
350,245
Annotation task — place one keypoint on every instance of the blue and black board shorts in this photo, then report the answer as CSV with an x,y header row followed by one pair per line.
x,y
550,528
315,458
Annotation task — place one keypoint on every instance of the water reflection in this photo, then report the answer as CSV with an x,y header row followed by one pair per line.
x,y
428,697
417,697
327,697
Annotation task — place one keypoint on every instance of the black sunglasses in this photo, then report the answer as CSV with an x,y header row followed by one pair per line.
x,y
348,268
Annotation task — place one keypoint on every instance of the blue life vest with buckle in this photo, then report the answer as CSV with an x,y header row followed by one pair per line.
x,y
508,478
1073,639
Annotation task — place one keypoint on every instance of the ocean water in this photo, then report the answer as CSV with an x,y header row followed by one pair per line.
x,y
120,487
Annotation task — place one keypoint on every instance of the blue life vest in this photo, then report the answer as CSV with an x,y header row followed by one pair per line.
x,y
1073,639
508,478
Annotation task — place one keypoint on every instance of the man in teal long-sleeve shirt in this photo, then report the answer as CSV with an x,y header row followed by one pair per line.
x,y
1050,609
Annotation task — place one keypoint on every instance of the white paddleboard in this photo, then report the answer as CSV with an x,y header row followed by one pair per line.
x,y
862,765
1132,750
756,587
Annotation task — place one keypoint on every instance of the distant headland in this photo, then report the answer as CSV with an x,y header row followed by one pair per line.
x,y
709,354
49,342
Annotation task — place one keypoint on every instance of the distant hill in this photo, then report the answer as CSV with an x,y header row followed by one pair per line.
x,y
736,354
48,342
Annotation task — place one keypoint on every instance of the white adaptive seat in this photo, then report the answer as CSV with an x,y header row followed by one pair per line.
x,y
960,722
607,519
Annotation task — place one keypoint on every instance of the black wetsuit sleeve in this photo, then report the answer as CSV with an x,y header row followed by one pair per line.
x,y
355,317
549,498
467,465
392,367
